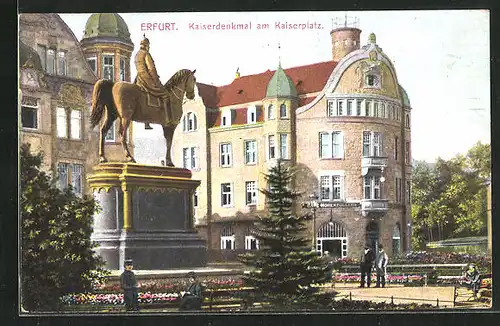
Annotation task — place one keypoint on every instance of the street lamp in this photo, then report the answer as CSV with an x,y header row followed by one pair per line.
x,y
314,205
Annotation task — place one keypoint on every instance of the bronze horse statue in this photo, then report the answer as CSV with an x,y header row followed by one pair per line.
x,y
128,102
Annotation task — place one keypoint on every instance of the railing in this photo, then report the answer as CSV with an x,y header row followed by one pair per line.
x,y
374,205
374,162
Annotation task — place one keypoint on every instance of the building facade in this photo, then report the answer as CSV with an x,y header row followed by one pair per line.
x,y
343,124
56,82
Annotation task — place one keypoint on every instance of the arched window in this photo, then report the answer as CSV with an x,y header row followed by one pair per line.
x,y
283,111
227,240
372,235
190,122
396,240
332,237
407,122
271,112
251,243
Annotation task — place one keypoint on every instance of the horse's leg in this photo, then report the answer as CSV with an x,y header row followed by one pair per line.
x,y
125,123
108,121
168,133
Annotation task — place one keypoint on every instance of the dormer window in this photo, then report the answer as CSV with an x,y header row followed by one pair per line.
x,y
271,112
226,118
371,80
251,115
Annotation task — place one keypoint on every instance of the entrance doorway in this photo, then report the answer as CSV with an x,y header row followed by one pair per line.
x,y
332,237
372,235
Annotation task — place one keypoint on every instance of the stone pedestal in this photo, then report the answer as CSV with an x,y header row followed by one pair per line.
x,y
146,215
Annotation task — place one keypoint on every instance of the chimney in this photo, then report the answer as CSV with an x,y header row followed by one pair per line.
x,y
345,38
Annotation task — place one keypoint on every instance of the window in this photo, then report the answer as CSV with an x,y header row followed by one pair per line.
x,y
196,198
399,184
372,144
407,153
226,195
29,116
122,69
283,112
42,53
70,174
349,107
396,145
393,112
190,123
368,108
271,114
75,124
383,113
340,107
331,144
250,151
251,192
329,108
226,118
284,146
110,135
93,64
375,109
61,63
227,238
225,154
62,123
272,147
51,61
372,189
190,158
372,80
396,240
407,121
331,187
408,191
358,107
251,243
251,115
108,67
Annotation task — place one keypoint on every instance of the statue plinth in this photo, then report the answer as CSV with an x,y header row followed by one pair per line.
x,y
147,215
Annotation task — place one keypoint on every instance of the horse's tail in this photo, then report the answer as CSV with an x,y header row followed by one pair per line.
x,y
101,96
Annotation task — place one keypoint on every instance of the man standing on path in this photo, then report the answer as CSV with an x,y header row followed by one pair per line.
x,y
129,286
381,266
366,266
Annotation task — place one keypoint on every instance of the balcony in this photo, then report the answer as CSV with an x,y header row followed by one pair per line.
x,y
373,162
374,206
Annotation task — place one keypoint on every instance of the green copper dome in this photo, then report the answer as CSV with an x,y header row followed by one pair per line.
x,y
281,85
107,25
28,57
404,96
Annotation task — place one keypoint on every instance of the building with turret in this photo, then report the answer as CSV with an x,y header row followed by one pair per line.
x,y
56,80
343,124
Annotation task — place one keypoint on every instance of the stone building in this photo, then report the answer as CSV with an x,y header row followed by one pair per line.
x,y
56,83
344,124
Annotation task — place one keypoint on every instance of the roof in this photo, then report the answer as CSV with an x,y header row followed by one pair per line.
x,y
107,25
404,95
306,79
281,85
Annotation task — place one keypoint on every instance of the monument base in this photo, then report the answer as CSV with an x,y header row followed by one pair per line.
x,y
146,216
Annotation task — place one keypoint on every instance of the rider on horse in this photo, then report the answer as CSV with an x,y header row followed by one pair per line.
x,y
147,77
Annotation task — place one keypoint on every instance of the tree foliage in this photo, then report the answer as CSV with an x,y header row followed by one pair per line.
x,y
449,199
57,254
284,268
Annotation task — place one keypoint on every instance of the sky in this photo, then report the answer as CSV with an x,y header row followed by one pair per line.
x,y
442,59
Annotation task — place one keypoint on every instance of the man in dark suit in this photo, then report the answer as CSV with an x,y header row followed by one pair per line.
x,y
366,266
129,286
192,298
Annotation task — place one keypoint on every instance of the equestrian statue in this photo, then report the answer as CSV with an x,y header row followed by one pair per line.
x,y
146,100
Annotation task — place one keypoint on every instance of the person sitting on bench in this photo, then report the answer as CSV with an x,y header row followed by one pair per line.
x,y
192,298
472,277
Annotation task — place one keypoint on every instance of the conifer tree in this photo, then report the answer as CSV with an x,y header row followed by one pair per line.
x,y
284,269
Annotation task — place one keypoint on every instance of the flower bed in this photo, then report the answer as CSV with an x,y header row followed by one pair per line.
x,y
391,278
116,299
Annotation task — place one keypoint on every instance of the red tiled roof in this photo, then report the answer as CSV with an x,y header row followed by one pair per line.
x,y
307,79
